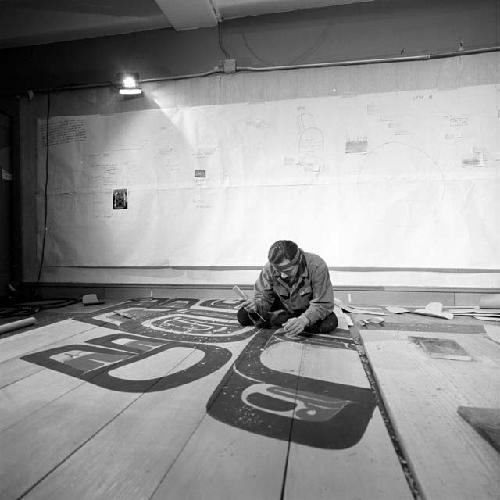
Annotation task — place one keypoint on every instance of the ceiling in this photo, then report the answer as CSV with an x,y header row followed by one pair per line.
x,y
34,22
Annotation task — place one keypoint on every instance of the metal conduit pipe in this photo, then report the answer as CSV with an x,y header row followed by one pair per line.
x,y
354,62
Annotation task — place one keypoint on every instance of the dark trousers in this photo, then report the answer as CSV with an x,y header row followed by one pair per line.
x,y
277,316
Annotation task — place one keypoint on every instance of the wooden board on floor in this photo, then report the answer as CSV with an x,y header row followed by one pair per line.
x,y
15,368
82,411
220,462
38,386
139,444
239,450
21,343
354,456
485,421
40,443
493,332
422,395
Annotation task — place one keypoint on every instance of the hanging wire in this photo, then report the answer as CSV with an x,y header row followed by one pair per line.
x,y
42,258
315,46
250,49
221,41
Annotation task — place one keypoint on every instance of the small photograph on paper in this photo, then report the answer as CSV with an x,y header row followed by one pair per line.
x,y
119,199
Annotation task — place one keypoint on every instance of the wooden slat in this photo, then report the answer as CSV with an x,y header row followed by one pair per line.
x,y
39,443
485,421
15,369
37,386
29,341
19,400
422,395
493,332
137,447
365,469
240,460
220,461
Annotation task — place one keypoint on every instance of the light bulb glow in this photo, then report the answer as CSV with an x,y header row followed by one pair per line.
x,y
129,82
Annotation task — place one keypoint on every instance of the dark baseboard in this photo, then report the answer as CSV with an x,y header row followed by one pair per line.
x,y
384,295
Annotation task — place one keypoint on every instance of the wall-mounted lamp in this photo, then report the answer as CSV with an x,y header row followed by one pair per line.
x,y
129,83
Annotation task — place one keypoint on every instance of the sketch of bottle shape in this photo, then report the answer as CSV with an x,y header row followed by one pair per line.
x,y
310,145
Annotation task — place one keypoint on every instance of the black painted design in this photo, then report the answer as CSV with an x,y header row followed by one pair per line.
x,y
251,396
199,326
177,319
257,399
152,326
225,305
97,363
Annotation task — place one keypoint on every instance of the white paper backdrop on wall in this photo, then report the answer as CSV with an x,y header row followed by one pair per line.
x,y
394,179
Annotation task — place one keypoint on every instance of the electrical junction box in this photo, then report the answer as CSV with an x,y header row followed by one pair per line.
x,y
229,65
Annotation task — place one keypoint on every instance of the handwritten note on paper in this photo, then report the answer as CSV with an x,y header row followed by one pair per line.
x,y
64,131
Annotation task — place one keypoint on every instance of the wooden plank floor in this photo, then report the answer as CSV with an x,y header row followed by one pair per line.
x,y
422,395
175,400
361,443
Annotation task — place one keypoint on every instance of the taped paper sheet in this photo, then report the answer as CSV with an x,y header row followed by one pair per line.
x,y
215,185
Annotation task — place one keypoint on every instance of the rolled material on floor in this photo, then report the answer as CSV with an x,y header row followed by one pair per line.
x,y
8,327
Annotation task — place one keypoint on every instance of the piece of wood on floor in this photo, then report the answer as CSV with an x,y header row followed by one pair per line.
x,y
422,394
486,421
239,450
15,368
493,332
38,444
22,343
340,447
36,385
139,445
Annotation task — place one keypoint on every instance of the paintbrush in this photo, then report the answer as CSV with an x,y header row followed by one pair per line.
x,y
242,295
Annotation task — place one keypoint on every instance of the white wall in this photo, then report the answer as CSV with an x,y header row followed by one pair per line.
x,y
402,180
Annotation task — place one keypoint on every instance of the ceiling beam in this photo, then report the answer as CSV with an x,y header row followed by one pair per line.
x,y
230,9
188,14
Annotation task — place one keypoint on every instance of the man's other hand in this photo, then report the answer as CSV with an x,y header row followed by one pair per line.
x,y
296,325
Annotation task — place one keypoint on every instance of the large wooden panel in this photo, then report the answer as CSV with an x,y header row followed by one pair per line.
x,y
239,451
139,444
353,456
13,369
226,462
83,399
38,444
29,387
422,395
22,343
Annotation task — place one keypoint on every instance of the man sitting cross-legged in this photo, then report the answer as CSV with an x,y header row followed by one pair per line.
x,y
294,291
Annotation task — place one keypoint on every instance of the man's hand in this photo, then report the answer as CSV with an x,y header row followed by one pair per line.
x,y
250,305
296,325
